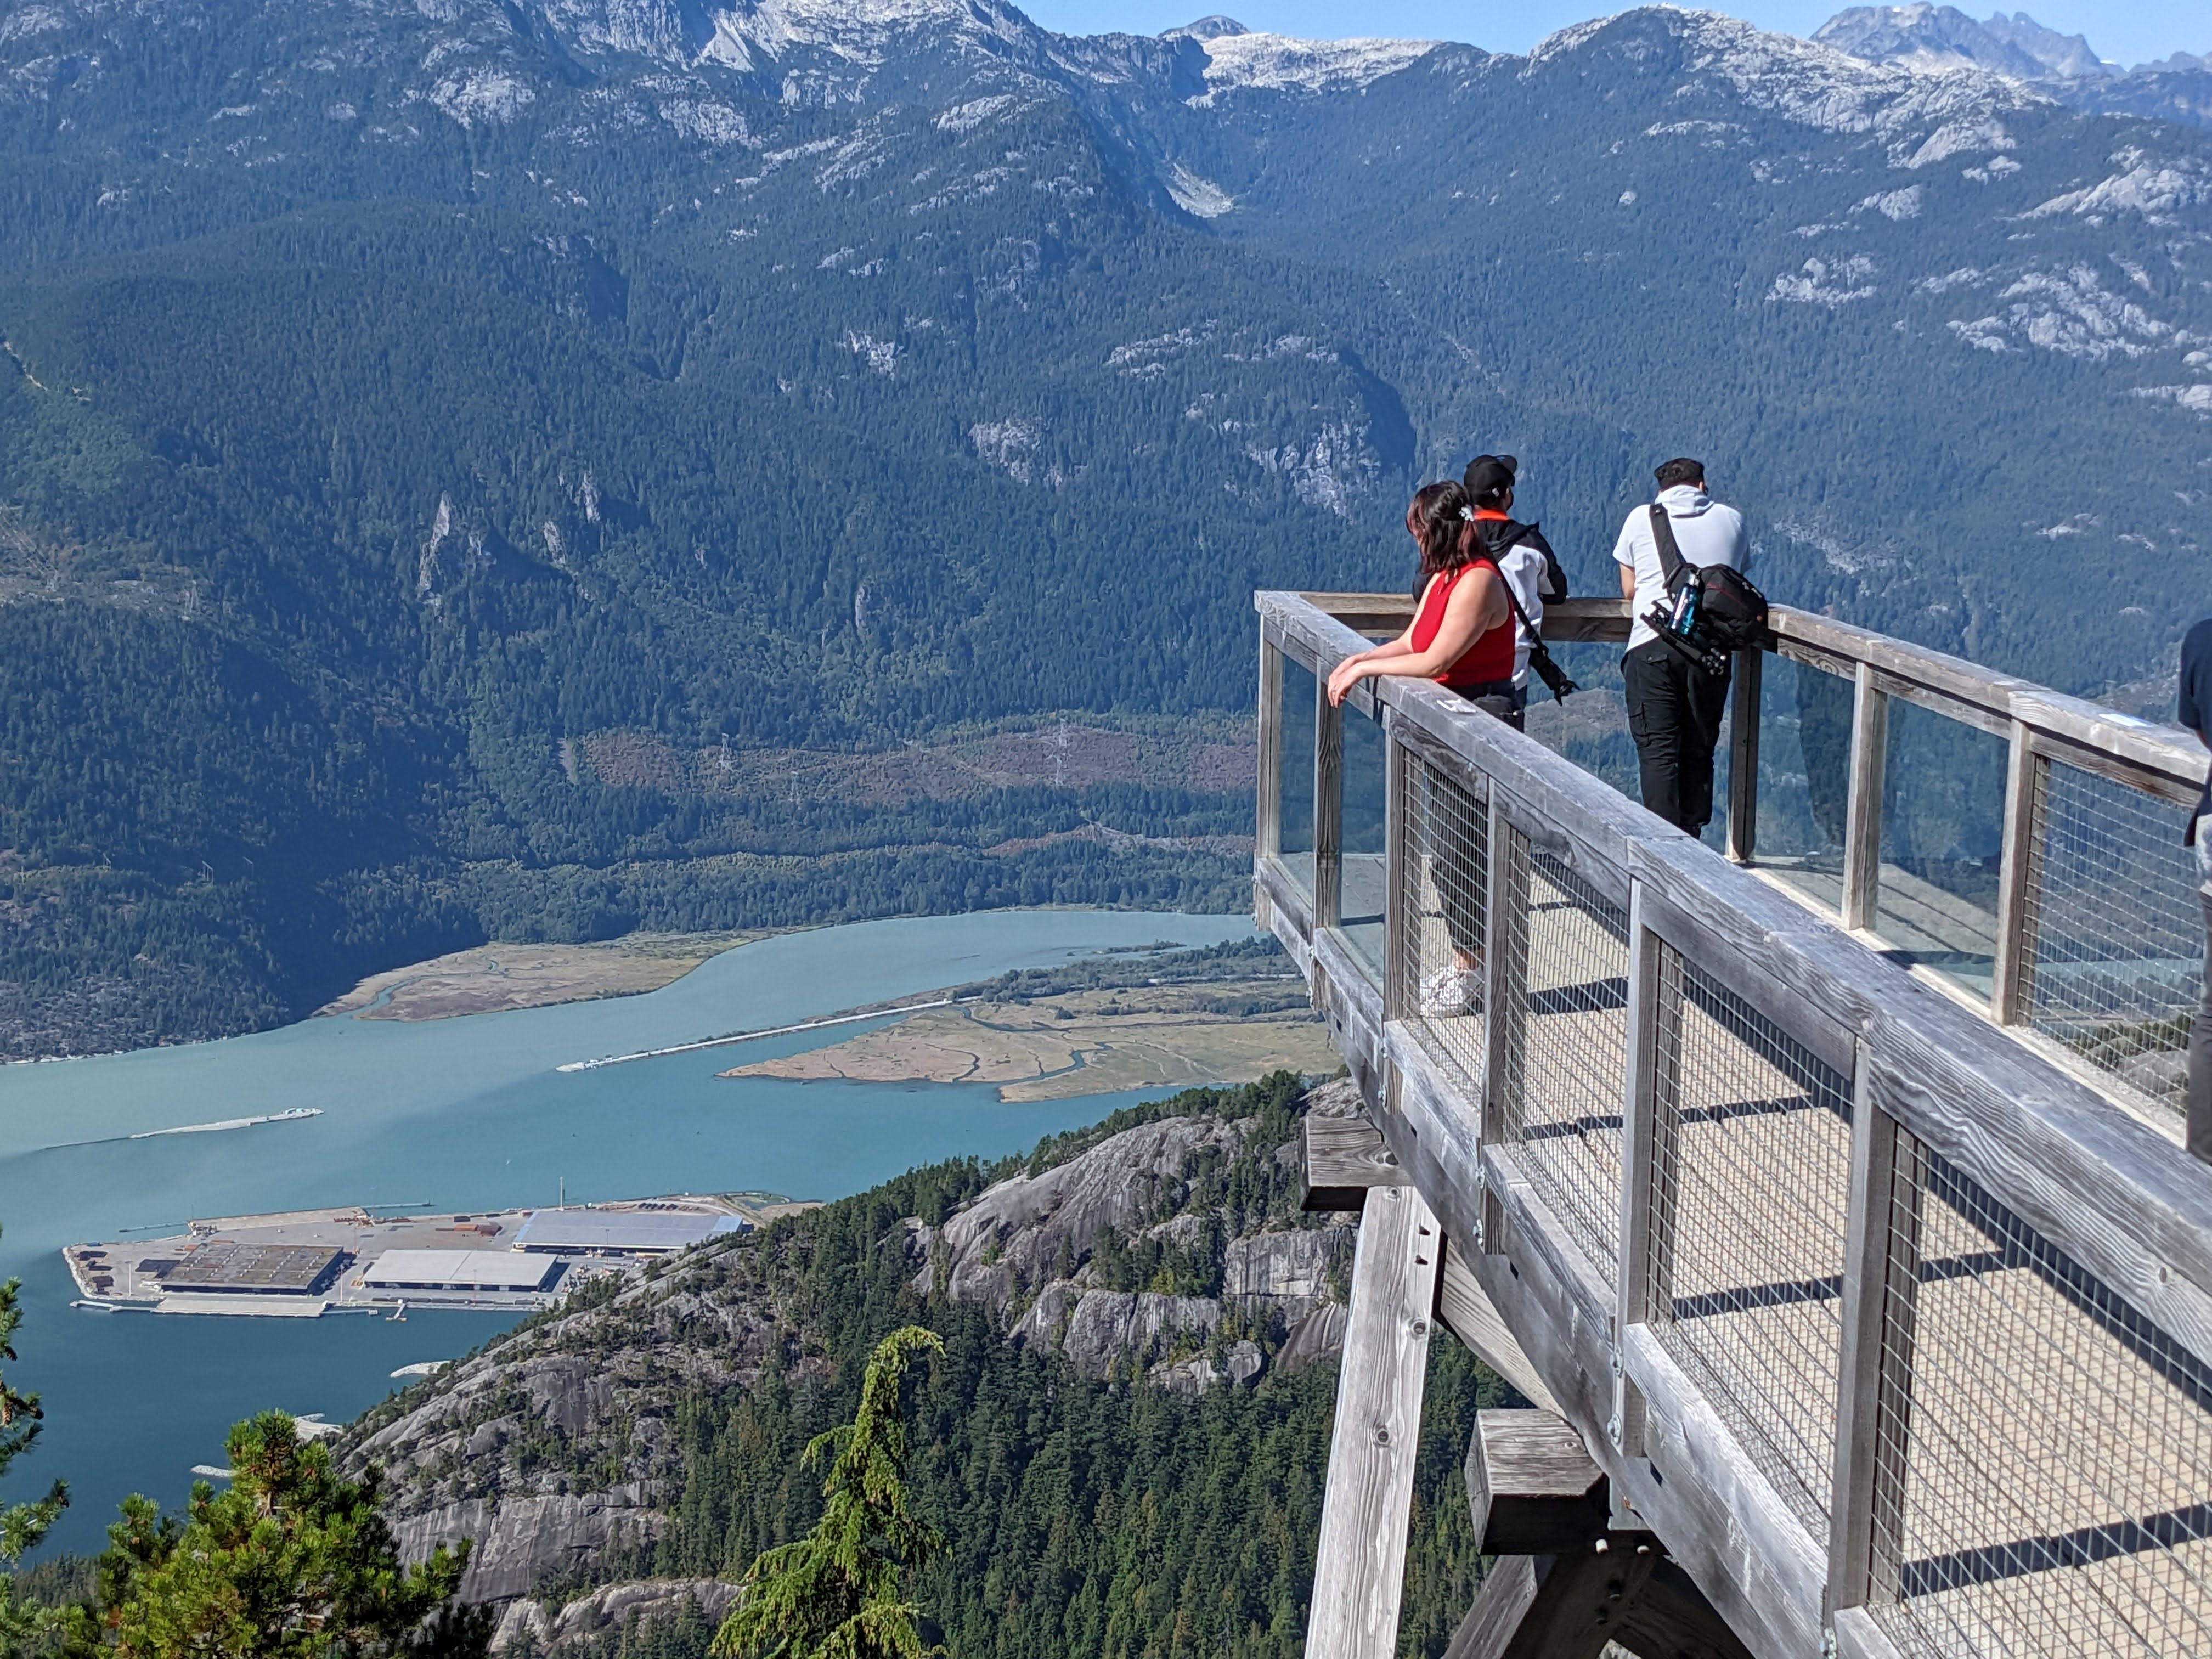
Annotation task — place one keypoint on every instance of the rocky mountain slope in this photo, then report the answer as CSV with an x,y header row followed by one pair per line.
x,y
1150,1278
1928,37
413,415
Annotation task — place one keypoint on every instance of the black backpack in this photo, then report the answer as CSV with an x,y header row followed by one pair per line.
x,y
1724,614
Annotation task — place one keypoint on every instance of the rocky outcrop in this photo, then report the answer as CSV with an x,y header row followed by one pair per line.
x,y
522,1542
1018,1230
1318,1336
648,1600
1284,1267
1138,1258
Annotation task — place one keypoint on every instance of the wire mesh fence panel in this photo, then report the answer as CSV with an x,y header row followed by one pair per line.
x,y
1363,771
2117,929
2051,1455
1752,1176
1942,830
1804,776
1446,873
1565,1065
1590,727
1295,798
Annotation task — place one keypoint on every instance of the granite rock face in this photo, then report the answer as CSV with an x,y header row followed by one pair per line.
x,y
520,1542
651,1601
497,1448
1021,1227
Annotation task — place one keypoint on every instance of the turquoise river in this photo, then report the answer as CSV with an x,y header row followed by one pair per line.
x,y
467,1113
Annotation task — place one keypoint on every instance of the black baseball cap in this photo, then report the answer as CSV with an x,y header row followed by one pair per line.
x,y
1680,470
1487,475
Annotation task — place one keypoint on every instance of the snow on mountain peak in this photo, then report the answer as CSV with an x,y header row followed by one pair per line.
x,y
1207,28
1926,36
1278,62
856,30
1923,117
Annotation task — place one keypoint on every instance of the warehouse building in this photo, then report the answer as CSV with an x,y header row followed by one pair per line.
x,y
621,1232
460,1270
230,1269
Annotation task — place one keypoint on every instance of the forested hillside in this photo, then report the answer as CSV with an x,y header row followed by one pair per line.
x,y
1124,1444
478,470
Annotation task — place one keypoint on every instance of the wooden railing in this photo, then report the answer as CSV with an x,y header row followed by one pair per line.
x,y
2083,928
1869,1271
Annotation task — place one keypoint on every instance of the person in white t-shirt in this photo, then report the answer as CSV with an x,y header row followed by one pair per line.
x,y
1675,707
1523,557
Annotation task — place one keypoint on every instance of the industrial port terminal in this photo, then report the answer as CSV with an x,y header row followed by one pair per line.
x,y
306,1263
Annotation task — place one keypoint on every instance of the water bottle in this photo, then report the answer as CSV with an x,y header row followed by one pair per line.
x,y
1685,618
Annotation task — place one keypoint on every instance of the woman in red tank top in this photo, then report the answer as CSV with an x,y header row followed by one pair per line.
x,y
1462,633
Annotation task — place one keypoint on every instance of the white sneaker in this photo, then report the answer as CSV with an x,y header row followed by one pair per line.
x,y
1449,994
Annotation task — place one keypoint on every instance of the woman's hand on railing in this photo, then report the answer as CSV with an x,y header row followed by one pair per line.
x,y
1345,675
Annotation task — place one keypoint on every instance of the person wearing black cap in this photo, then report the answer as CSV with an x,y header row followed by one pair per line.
x,y
1675,707
1523,557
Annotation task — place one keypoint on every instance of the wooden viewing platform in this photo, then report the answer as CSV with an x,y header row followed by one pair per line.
x,y
1824,1199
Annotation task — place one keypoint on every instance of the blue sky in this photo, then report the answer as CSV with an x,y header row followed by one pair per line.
x,y
2131,31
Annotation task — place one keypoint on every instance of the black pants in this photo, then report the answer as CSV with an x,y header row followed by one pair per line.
x,y
1675,714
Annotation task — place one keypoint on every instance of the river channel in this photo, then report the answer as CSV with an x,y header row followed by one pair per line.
x,y
467,1113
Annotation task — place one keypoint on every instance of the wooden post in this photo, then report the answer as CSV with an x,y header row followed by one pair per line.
x,y
1328,808
1359,1565
1267,833
1504,975
1862,819
2012,988
1743,756
1397,874
1882,1276
1645,1216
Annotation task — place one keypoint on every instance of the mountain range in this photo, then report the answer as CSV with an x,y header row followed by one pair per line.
x,y
537,468
1929,37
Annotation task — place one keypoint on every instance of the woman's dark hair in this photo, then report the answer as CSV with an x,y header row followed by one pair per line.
x,y
1439,520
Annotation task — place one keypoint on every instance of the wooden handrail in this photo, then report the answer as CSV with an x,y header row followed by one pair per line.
x,y
2163,759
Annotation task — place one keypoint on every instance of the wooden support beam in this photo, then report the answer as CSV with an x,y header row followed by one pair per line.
x,y
1328,807
1647,1221
1558,1606
1572,1606
1398,863
1505,975
1743,756
1880,1284
1532,1486
1862,813
2019,870
1469,1314
1359,1563
1345,1156
1267,832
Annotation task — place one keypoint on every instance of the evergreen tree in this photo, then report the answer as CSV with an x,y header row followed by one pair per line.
x,y
22,1525
291,1562
835,1594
